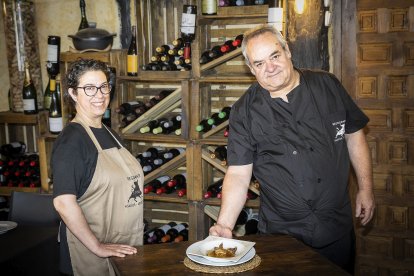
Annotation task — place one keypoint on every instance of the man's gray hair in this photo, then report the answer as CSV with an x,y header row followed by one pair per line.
x,y
262,29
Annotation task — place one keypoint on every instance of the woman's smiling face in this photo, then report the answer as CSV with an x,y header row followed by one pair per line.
x,y
93,107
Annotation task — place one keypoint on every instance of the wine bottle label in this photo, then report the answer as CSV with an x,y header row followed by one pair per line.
x,y
132,63
52,53
275,17
55,124
180,227
188,21
208,7
29,104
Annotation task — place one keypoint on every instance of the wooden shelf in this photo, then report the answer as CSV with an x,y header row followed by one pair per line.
x,y
154,138
9,117
228,78
166,198
215,130
7,191
255,203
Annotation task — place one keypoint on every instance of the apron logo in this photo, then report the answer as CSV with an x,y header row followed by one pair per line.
x,y
136,192
340,130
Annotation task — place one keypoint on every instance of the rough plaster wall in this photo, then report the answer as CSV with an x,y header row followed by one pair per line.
x,y
4,71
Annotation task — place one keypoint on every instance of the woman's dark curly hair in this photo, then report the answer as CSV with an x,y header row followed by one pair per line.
x,y
76,70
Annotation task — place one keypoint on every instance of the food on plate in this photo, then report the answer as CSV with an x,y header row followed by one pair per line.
x,y
220,252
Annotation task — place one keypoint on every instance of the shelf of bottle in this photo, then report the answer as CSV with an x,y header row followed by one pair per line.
x,y
10,117
172,198
214,140
7,191
254,203
171,138
235,12
227,78
160,76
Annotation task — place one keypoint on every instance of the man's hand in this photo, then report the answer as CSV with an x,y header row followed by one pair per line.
x,y
365,206
221,231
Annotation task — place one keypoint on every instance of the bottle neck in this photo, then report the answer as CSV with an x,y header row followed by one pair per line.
x,y
27,78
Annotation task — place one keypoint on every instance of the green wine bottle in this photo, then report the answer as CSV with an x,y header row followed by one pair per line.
x,y
55,111
29,93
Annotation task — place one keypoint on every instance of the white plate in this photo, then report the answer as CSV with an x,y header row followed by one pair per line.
x,y
200,249
7,226
201,260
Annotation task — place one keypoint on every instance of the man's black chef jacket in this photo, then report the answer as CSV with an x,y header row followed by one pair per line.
x,y
299,155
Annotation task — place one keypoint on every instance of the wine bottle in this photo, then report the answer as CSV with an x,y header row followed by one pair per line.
x,y
84,21
53,53
162,231
178,180
153,152
209,7
173,123
149,127
203,126
132,55
29,93
163,94
227,46
188,22
128,107
187,53
225,113
205,57
106,118
215,52
182,236
147,237
171,153
153,185
243,216
238,40
47,96
275,14
214,189
220,153
174,232
251,195
178,132
215,119
178,43
182,192
163,49
55,111
59,91
226,132
251,224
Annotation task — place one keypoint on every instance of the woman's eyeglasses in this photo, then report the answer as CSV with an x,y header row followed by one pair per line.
x,y
91,90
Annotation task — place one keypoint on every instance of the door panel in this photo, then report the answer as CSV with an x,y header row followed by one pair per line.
x,y
377,58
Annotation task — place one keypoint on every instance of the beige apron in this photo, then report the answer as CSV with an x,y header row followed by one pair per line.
x,y
112,205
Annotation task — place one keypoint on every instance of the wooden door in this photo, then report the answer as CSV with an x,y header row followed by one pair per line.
x,y
377,57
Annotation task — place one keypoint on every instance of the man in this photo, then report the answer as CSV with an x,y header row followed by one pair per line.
x,y
297,131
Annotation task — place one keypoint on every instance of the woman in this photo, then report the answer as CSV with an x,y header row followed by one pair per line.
x,y
97,182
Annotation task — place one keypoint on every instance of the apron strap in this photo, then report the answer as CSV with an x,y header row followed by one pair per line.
x,y
119,143
89,131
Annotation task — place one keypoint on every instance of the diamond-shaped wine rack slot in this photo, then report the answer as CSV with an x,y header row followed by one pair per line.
x,y
221,60
168,104
206,155
169,166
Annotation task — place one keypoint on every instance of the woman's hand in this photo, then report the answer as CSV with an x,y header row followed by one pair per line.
x,y
112,249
